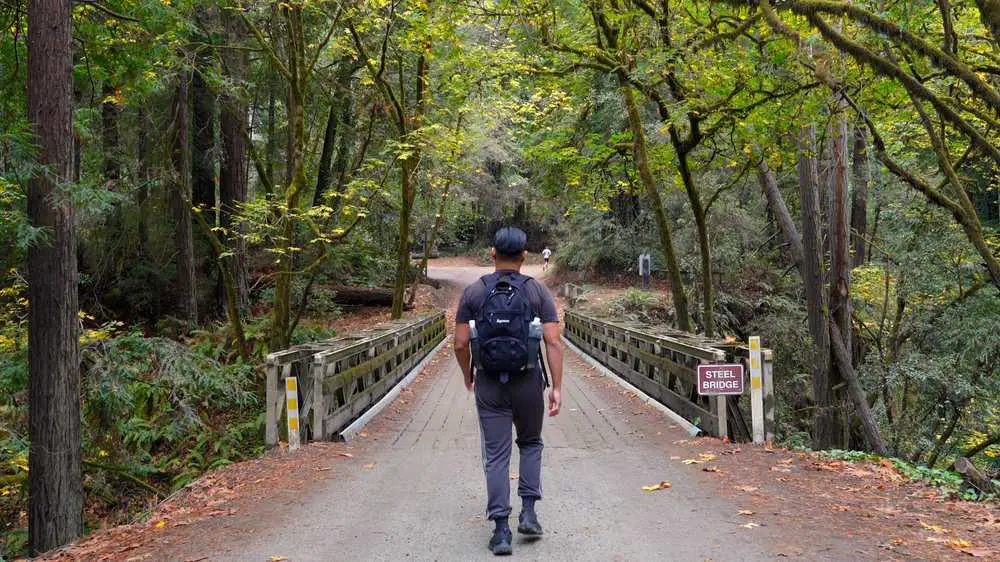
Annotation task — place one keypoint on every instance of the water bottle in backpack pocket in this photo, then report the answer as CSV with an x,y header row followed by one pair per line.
x,y
506,341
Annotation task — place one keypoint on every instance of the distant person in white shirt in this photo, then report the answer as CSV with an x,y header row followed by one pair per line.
x,y
546,254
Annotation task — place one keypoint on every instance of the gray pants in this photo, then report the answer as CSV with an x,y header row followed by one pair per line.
x,y
519,402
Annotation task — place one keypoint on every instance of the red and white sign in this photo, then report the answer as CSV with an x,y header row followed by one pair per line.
x,y
720,379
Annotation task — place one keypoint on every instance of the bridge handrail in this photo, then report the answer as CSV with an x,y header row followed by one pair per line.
x,y
353,372
662,362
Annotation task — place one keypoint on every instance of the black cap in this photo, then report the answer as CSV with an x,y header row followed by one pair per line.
x,y
510,241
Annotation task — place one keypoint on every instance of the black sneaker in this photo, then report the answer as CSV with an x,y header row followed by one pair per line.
x,y
528,524
500,542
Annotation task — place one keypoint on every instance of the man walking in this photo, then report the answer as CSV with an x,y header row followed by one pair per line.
x,y
501,321
546,254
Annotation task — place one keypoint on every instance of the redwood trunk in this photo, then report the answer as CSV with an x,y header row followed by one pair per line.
x,y
55,478
187,297
859,197
233,190
824,418
776,202
203,157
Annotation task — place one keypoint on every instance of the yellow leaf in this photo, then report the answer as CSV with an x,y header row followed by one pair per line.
x,y
749,525
706,457
661,486
277,558
160,524
935,528
691,461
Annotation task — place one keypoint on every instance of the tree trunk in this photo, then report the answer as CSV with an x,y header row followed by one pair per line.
x,y
839,237
859,197
939,444
345,146
989,14
656,204
976,449
337,125
825,418
408,194
973,476
142,191
858,395
793,242
326,154
203,147
111,167
187,294
430,241
704,242
55,478
408,190
271,146
233,189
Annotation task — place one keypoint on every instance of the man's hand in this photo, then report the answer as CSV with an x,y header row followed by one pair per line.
x,y
470,384
555,402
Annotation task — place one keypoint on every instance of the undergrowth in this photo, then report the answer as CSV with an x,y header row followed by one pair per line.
x,y
948,482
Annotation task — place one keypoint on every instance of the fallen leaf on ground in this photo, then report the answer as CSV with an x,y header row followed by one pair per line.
x,y
714,469
896,541
661,486
277,559
959,544
786,461
749,525
747,489
160,524
691,461
706,456
370,465
746,512
346,455
935,528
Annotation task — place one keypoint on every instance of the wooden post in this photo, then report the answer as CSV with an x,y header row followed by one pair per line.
x,y
319,404
756,391
292,400
769,405
271,398
723,415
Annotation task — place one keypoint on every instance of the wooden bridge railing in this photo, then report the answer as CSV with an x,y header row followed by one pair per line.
x,y
340,378
662,362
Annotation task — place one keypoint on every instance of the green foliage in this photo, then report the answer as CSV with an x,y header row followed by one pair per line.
x,y
641,305
598,244
947,481
157,413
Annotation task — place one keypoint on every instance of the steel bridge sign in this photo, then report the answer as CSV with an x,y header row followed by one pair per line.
x,y
720,379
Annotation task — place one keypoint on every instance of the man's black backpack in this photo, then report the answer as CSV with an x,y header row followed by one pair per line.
x,y
504,341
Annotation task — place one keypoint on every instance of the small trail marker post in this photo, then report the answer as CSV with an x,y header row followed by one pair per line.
x,y
721,381
292,402
756,391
